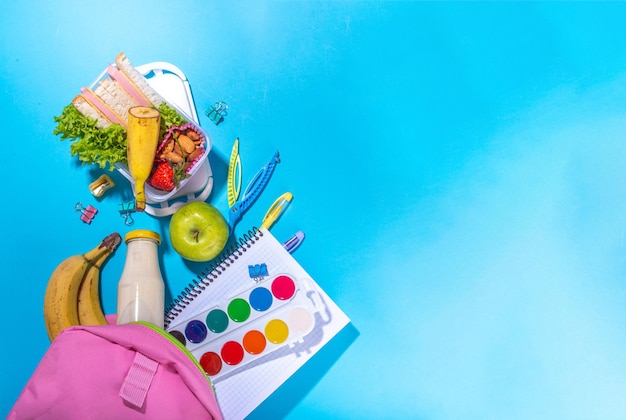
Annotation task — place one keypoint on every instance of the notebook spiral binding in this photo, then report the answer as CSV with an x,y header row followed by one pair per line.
x,y
210,273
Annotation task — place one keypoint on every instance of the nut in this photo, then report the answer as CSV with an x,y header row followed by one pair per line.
x,y
174,157
186,143
167,148
194,155
193,135
177,148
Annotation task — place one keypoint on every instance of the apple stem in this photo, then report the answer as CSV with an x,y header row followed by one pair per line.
x,y
196,233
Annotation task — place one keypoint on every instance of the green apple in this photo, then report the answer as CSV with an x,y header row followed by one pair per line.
x,y
198,231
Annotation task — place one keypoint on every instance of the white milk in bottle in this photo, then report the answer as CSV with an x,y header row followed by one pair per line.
x,y
140,291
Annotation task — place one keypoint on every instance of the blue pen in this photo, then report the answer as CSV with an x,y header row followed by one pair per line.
x,y
294,242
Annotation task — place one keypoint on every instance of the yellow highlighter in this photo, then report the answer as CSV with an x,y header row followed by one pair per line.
x,y
276,210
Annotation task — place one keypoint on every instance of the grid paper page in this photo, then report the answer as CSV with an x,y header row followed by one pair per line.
x,y
243,389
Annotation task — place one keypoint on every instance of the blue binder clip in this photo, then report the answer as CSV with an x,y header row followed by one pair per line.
x,y
217,112
257,271
126,210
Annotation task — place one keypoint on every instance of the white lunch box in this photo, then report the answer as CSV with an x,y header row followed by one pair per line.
x,y
171,83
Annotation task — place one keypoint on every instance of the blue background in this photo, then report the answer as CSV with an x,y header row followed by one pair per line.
x,y
458,169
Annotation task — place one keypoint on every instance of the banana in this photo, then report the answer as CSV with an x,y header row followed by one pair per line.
x,y
89,307
141,144
60,305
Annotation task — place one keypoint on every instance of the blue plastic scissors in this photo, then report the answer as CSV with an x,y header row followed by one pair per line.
x,y
251,193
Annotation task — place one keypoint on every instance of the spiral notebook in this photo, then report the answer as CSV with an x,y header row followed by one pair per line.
x,y
252,320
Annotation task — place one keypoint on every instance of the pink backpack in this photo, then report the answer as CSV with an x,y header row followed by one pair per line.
x,y
131,371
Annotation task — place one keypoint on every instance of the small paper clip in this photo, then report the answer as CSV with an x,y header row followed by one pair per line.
x,y
217,112
126,212
86,213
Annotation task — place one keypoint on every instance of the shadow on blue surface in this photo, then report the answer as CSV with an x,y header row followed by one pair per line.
x,y
281,402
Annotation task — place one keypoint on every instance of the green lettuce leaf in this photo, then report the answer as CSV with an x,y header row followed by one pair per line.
x,y
169,117
91,144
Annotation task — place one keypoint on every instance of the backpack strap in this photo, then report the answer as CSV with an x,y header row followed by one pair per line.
x,y
138,380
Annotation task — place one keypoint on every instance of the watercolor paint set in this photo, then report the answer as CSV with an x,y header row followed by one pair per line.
x,y
274,312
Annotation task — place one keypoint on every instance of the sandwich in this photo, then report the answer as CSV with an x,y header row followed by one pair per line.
x,y
109,102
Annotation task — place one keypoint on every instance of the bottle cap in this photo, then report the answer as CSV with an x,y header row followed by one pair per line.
x,y
142,233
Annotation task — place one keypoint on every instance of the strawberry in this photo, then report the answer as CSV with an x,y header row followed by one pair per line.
x,y
162,177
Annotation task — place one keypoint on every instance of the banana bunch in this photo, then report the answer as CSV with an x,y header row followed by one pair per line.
x,y
72,296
